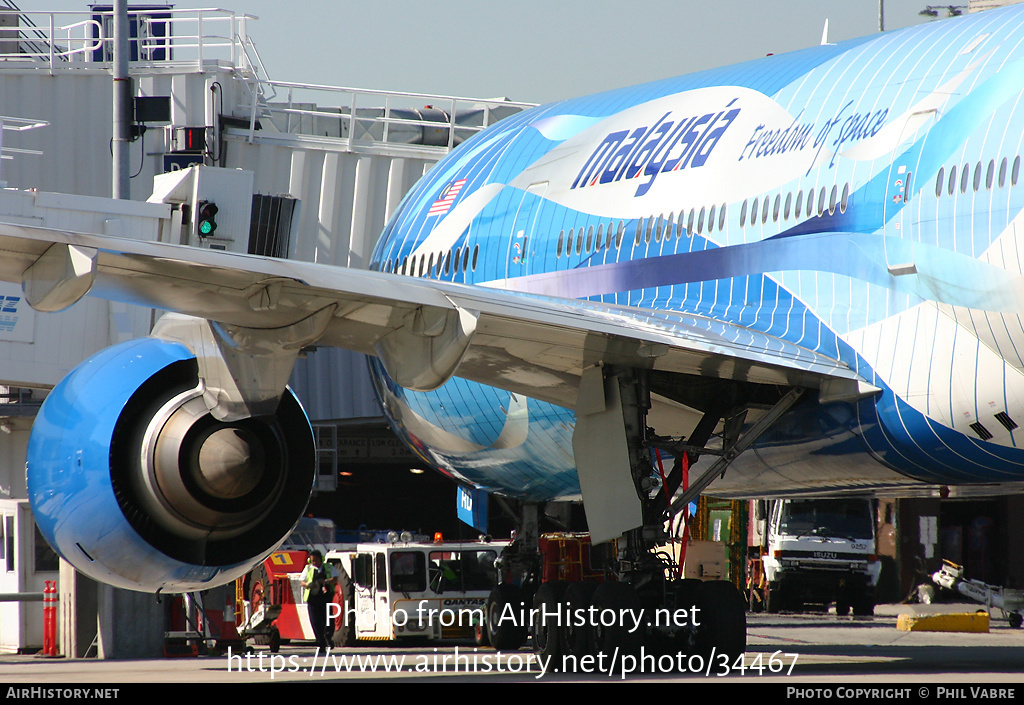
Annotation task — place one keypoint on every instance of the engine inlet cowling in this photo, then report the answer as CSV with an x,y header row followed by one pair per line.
x,y
135,483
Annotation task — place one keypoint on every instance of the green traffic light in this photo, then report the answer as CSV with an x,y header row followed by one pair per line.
x,y
206,223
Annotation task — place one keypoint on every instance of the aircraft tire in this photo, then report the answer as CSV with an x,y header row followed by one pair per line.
x,y
723,620
576,638
617,599
547,623
506,634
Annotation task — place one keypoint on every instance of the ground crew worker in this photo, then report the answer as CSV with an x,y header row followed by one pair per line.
x,y
318,582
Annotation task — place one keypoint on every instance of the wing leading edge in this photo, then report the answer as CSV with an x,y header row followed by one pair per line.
x,y
423,330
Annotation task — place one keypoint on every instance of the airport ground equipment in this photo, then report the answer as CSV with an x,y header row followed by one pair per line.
x,y
814,551
1009,600
405,588
578,600
271,605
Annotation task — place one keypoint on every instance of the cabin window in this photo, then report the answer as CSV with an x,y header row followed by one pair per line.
x,y
776,208
764,210
743,214
810,202
939,179
821,202
753,211
721,217
965,177
448,263
845,201
977,176
689,222
1015,172
590,237
619,234
599,237
990,174
711,219
700,221
458,258
787,207
476,255
561,242
799,203
1002,172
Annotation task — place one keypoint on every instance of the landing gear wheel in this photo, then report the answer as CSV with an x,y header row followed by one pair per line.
x,y
682,598
546,623
1015,619
344,627
505,628
723,620
576,636
620,600
274,640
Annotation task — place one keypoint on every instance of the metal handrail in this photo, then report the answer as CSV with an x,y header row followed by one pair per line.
x,y
214,34
357,99
72,44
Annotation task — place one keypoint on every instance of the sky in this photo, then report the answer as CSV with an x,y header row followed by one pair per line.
x,y
531,50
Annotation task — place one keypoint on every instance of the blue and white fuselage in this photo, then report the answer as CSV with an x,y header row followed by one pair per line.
x,y
858,200
813,261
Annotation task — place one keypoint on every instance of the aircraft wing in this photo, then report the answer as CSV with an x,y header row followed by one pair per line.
x,y
423,330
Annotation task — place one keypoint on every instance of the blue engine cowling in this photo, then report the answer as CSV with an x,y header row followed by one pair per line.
x,y
138,486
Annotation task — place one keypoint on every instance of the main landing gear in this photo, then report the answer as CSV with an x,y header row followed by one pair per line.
x,y
639,601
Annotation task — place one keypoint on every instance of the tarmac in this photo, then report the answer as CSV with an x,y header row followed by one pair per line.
x,y
817,650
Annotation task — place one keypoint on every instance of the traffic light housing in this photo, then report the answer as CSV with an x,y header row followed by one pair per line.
x,y
206,223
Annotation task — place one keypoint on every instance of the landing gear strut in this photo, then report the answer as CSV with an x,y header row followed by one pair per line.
x,y
641,601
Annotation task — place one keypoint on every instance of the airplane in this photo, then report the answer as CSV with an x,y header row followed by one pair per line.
x,y
802,272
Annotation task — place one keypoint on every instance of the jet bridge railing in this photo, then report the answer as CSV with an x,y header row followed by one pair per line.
x,y
376,116
64,40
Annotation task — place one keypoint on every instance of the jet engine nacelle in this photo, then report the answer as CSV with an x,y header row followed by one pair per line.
x,y
136,484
